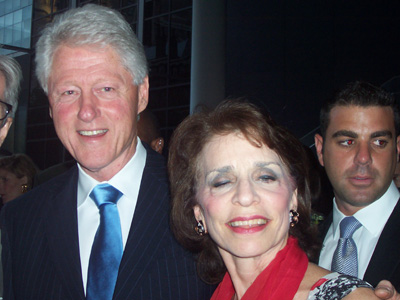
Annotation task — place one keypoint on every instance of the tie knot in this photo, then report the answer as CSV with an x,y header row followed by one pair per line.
x,y
105,193
348,226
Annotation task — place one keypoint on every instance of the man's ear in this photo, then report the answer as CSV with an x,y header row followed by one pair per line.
x,y
319,146
143,94
157,144
4,130
398,147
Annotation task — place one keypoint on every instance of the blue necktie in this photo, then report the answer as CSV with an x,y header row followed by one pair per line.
x,y
345,258
107,246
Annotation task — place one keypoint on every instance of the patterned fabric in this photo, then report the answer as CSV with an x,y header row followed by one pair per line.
x,y
345,259
335,286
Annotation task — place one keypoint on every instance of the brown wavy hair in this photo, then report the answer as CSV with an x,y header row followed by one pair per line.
x,y
187,143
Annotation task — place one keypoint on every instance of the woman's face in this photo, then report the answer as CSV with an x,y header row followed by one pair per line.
x,y
244,195
10,185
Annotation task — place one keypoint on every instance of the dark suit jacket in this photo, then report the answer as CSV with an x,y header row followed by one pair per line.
x,y
385,261
41,252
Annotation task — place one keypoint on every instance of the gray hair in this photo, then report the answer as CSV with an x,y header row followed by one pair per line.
x,y
91,25
11,70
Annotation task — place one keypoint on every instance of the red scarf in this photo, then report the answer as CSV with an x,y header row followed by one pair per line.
x,y
279,280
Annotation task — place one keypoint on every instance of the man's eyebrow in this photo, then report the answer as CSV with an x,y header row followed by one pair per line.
x,y
382,133
345,133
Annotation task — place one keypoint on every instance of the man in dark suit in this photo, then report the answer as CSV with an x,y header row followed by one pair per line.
x,y
55,239
359,149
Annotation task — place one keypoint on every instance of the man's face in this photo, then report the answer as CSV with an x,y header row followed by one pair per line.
x,y
7,124
359,154
94,105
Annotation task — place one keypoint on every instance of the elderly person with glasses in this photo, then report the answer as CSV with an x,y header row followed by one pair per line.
x,y
10,77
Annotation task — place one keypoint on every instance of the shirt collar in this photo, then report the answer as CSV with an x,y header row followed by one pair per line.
x,y
122,180
381,208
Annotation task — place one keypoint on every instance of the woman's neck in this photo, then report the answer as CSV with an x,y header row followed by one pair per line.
x,y
243,271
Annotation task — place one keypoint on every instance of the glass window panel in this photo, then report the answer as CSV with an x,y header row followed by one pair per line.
x,y
27,12
128,2
54,152
37,151
111,3
17,34
26,42
179,71
130,14
16,4
157,98
2,8
36,132
38,25
155,8
155,37
2,20
158,73
60,5
41,8
26,28
83,2
37,97
9,7
50,130
2,32
161,116
18,16
176,116
8,20
8,35
26,3
181,31
38,115
178,4
34,39
179,95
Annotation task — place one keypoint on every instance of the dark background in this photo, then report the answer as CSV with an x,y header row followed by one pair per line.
x,y
289,56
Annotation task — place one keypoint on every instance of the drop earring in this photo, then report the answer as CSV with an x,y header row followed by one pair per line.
x,y
294,217
200,228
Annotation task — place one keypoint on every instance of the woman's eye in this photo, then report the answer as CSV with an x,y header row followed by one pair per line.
x,y
220,183
267,178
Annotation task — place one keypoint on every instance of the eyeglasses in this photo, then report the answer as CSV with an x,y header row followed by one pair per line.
x,y
5,110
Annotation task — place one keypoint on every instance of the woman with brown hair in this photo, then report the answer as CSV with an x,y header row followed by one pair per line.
x,y
241,200
17,173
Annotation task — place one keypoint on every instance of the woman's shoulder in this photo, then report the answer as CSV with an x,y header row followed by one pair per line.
x,y
338,286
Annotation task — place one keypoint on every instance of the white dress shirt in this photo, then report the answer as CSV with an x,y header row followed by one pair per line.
x,y
126,181
372,218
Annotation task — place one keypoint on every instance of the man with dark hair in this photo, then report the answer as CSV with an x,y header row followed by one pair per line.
x,y
359,147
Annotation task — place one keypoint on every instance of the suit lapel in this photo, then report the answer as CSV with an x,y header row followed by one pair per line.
x,y
62,233
149,225
384,263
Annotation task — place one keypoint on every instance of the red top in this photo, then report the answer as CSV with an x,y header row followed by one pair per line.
x,y
279,280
